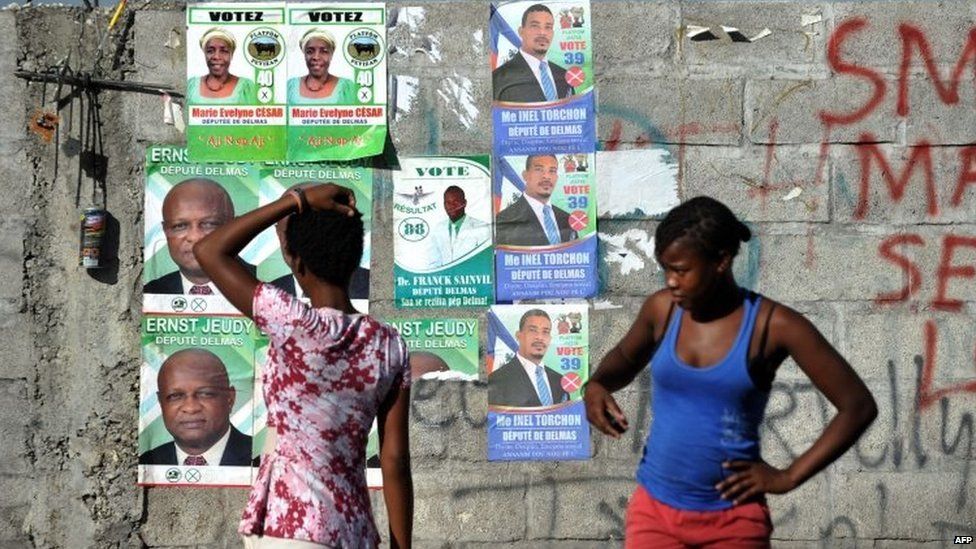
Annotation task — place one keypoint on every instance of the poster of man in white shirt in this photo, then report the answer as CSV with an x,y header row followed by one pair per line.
x,y
461,234
442,247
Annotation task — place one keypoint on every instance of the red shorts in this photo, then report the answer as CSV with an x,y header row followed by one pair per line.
x,y
650,523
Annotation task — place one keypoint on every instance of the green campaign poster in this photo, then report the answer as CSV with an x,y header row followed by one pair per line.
x,y
185,201
235,87
196,406
441,348
442,243
274,181
337,89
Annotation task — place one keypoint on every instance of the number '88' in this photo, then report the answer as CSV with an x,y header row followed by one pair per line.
x,y
413,229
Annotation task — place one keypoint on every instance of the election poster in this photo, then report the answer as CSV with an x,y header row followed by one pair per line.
x,y
274,181
537,361
235,82
542,77
442,252
185,201
441,348
196,402
336,80
545,237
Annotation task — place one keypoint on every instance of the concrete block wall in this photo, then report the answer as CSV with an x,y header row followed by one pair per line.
x,y
854,169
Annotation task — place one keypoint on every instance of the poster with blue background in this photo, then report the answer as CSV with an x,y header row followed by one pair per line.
x,y
545,227
537,362
542,77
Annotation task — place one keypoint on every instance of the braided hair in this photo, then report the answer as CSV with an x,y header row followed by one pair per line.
x,y
329,243
706,224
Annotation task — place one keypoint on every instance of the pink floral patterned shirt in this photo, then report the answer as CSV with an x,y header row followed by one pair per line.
x,y
326,376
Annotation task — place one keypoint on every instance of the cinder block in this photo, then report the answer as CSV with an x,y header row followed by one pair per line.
x,y
381,254
795,417
414,126
627,266
897,334
455,504
878,204
789,111
610,319
878,44
632,36
760,184
159,52
907,439
931,120
626,451
899,505
463,106
788,45
906,544
13,426
811,267
433,35
579,501
800,514
185,516
450,417
825,320
18,490
145,114
638,109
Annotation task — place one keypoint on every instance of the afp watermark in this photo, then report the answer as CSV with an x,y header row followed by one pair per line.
x,y
962,540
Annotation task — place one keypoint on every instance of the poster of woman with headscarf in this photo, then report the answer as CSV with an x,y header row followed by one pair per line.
x,y
337,81
235,90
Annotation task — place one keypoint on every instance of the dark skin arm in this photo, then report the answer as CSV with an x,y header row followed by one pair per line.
x,y
393,423
217,252
791,333
621,365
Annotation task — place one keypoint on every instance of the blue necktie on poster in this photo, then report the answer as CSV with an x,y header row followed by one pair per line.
x,y
545,396
548,87
552,233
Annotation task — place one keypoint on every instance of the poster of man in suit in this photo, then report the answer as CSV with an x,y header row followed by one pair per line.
x,y
542,77
185,201
275,180
545,236
535,376
196,409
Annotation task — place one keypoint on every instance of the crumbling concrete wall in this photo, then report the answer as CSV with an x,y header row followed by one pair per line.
x,y
854,167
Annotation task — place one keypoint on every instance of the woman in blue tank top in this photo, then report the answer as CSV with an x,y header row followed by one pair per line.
x,y
714,349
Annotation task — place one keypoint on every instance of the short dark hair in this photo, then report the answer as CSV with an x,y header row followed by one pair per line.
x,y
454,189
707,224
528,159
532,8
330,244
531,313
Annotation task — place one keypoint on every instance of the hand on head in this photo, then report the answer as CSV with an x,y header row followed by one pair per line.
x,y
328,196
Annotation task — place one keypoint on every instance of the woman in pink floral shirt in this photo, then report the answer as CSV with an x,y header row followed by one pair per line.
x,y
330,372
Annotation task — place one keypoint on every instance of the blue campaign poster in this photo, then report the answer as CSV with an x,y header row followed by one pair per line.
x,y
538,360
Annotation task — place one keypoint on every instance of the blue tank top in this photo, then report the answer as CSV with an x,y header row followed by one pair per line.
x,y
701,418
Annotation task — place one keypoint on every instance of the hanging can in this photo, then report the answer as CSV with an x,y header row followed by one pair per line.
x,y
92,236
